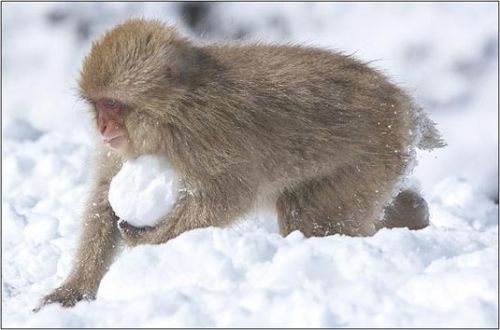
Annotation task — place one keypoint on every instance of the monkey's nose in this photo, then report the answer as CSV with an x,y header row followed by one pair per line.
x,y
102,125
102,128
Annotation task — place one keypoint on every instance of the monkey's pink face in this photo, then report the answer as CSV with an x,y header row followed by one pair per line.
x,y
110,122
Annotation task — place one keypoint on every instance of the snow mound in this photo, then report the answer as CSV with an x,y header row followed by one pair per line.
x,y
143,191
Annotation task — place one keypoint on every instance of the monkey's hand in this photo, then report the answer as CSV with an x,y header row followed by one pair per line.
x,y
66,295
172,225
133,236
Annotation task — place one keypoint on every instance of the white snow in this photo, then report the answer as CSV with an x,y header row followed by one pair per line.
x,y
143,191
445,275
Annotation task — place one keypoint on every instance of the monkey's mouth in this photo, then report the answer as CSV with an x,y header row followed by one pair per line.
x,y
115,142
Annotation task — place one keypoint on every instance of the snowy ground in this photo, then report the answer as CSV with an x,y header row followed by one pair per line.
x,y
444,275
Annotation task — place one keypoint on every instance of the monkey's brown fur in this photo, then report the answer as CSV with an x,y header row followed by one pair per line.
x,y
321,134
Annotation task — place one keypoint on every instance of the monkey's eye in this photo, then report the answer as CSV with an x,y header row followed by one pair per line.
x,y
108,103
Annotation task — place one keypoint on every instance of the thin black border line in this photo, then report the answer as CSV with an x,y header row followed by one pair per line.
x,y
255,1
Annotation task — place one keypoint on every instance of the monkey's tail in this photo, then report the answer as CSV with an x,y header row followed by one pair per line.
x,y
428,135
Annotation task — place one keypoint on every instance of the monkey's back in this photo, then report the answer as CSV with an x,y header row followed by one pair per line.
x,y
304,111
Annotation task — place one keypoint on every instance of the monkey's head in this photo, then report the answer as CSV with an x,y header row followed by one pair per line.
x,y
131,77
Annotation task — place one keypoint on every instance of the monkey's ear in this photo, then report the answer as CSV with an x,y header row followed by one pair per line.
x,y
183,65
172,72
177,74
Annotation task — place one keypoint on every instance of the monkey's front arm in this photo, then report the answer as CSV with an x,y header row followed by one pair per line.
x,y
186,214
98,244
96,251
211,205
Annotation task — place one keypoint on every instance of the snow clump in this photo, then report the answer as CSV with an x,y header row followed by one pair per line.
x,y
143,191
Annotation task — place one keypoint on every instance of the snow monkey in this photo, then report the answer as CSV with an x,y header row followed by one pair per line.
x,y
322,136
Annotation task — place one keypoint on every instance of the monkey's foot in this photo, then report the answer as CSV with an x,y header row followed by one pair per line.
x,y
67,296
133,236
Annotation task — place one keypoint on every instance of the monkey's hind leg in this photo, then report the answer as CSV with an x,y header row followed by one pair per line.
x,y
335,204
408,209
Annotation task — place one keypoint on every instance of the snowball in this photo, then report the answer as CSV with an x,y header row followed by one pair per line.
x,y
143,191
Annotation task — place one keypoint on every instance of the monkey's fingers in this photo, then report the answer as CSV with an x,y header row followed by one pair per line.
x,y
65,296
133,231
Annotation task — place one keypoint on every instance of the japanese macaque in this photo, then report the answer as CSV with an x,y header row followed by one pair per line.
x,y
322,136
